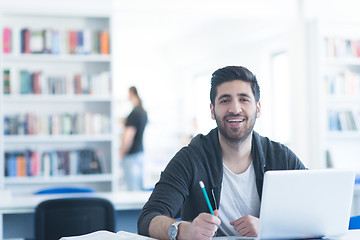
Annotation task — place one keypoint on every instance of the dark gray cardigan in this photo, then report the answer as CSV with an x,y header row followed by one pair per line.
x,y
178,189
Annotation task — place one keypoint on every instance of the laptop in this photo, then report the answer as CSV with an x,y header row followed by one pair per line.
x,y
298,204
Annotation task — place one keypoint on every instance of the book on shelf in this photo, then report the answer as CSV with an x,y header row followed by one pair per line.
x,y
7,40
47,41
96,42
54,163
87,41
26,86
343,120
53,41
25,40
104,42
6,79
343,83
72,36
37,41
342,47
38,82
57,124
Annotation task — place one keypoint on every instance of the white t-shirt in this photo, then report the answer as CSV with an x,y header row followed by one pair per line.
x,y
239,197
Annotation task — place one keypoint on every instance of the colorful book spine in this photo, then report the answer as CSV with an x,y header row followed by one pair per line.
x,y
54,163
104,42
55,42
6,78
25,41
47,40
72,42
7,40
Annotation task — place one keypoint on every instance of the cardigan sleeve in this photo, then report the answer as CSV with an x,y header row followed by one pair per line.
x,y
169,193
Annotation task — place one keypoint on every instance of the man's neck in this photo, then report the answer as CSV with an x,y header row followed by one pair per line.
x,y
236,156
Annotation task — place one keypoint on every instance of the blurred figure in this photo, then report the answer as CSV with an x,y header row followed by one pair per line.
x,y
132,148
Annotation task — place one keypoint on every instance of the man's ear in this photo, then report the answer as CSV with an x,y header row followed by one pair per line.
x,y
212,111
258,109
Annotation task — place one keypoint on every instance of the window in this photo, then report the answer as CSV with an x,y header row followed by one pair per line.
x,y
281,97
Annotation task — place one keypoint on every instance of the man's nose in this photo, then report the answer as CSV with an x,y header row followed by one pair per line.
x,y
235,107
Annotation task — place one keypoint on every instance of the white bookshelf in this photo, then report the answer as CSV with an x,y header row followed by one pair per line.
x,y
335,78
48,104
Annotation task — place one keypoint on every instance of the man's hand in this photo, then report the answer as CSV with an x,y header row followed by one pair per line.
x,y
204,226
247,226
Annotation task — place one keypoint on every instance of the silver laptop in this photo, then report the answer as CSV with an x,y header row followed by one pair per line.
x,y
305,204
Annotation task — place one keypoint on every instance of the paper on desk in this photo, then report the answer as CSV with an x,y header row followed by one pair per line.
x,y
106,235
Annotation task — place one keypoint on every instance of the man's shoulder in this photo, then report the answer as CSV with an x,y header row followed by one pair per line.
x,y
203,146
200,140
266,142
269,147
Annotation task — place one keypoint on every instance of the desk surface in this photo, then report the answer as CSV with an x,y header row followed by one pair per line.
x,y
121,200
352,235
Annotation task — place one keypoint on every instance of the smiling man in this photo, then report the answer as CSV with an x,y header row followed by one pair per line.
x,y
231,161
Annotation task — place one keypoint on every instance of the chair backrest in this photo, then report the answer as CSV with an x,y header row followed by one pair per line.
x,y
61,190
354,222
57,218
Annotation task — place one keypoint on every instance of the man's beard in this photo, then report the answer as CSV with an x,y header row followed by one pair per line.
x,y
234,135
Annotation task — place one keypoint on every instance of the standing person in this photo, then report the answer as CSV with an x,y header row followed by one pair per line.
x,y
231,161
132,148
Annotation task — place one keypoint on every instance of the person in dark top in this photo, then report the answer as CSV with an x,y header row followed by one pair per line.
x,y
132,148
230,160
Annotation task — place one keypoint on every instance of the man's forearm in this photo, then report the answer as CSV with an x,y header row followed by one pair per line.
x,y
159,226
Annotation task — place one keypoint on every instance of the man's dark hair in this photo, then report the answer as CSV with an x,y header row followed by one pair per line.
x,y
231,73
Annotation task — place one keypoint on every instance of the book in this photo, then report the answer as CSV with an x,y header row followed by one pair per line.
x,y
21,165
7,40
104,42
25,82
25,40
55,42
72,35
87,43
47,41
36,41
6,77
107,235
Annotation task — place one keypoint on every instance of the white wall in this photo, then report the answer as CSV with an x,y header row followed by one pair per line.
x,y
163,47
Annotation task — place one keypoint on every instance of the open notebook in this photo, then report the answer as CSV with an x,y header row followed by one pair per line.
x,y
305,204
106,235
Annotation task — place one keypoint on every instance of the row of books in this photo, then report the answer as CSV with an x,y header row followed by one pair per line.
x,y
53,41
343,83
53,163
57,124
342,47
344,120
38,82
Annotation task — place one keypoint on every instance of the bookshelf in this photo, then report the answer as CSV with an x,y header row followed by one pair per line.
x,y
56,100
334,63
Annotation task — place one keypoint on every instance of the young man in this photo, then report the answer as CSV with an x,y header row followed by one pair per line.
x,y
231,161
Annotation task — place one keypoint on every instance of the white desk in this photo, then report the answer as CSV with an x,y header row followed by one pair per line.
x,y
22,207
352,235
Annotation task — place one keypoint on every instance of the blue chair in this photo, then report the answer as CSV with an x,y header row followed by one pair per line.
x,y
354,222
60,190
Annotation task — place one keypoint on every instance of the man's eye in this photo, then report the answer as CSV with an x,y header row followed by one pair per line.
x,y
224,101
244,100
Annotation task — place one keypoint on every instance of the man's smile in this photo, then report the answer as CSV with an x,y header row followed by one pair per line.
x,y
235,121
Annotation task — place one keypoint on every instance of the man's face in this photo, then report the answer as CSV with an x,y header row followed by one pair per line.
x,y
235,110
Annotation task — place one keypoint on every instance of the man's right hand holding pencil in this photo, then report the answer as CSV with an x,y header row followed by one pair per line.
x,y
203,227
